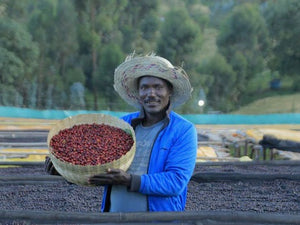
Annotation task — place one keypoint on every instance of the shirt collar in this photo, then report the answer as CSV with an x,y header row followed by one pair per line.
x,y
138,120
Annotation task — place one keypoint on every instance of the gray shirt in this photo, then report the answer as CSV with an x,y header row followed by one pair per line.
x,y
121,199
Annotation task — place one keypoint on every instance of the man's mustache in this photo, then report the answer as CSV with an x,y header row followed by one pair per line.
x,y
151,99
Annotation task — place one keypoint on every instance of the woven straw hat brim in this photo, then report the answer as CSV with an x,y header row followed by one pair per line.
x,y
127,73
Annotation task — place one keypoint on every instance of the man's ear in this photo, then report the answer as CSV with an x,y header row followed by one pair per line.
x,y
140,101
170,93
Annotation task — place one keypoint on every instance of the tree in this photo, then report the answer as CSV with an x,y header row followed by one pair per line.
x,y
283,23
139,24
99,23
53,26
18,59
245,44
199,13
64,38
220,86
111,56
179,34
15,10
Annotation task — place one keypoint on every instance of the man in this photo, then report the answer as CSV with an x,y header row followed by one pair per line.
x,y
166,143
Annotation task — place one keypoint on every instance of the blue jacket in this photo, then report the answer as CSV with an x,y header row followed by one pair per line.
x,y
170,168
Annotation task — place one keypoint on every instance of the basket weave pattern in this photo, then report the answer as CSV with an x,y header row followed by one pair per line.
x,y
79,174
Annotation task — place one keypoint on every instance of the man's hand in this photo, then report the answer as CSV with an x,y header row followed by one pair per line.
x,y
49,167
112,177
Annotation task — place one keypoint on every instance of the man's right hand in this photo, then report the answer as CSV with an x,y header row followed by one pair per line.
x,y
49,167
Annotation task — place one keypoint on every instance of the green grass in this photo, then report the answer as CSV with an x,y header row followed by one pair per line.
x,y
275,104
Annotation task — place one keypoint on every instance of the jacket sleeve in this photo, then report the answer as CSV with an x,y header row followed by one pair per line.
x,y
176,165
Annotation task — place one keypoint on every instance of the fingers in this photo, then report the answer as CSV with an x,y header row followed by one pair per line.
x,y
53,171
113,176
101,176
114,171
102,179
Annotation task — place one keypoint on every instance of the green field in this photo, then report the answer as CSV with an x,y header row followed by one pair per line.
x,y
275,104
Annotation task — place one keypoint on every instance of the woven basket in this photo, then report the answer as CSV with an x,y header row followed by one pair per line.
x,y
79,174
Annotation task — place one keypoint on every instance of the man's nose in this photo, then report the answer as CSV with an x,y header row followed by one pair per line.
x,y
151,91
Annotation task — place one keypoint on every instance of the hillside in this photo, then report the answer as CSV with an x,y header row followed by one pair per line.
x,y
275,104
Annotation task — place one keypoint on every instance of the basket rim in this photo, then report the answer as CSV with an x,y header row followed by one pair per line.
x,y
88,115
68,170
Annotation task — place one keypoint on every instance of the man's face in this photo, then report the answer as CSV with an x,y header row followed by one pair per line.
x,y
154,94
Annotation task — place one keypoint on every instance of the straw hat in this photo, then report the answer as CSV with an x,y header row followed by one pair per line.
x,y
127,74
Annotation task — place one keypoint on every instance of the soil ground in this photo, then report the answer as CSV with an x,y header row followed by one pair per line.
x,y
279,195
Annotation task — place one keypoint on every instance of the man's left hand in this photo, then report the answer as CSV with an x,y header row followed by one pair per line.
x,y
112,177
49,167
